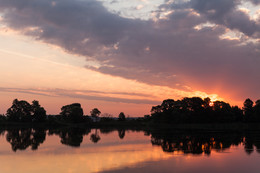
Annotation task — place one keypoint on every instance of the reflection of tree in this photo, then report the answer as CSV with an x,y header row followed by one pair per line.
x,y
121,133
251,140
95,137
72,136
39,136
196,143
20,139
106,130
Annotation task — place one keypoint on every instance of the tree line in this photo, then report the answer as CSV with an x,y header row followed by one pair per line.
x,y
198,110
22,111
186,110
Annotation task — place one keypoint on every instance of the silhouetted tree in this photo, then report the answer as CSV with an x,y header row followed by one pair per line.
x,y
167,105
121,116
257,111
248,110
156,110
223,112
206,103
24,112
72,113
238,113
195,110
193,104
39,113
95,113
19,111
2,118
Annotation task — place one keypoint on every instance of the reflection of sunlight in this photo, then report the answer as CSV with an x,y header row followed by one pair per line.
x,y
83,160
181,152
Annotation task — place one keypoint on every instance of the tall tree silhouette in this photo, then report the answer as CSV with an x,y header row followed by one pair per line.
x,y
95,113
121,116
24,112
257,110
248,110
19,111
39,113
72,113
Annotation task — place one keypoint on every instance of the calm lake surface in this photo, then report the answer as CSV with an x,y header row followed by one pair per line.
x,y
105,151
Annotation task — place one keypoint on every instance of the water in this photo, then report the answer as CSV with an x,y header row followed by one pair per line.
x,y
105,151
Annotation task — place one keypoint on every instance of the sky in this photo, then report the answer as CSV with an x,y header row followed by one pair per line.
x,y
120,55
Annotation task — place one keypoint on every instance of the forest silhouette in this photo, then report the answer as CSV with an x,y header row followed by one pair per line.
x,y
198,110
27,125
186,110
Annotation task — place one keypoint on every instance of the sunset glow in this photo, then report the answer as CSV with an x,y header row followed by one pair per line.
x,y
128,56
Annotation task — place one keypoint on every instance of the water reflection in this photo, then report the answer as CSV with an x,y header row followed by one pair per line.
x,y
121,133
95,137
187,142
20,139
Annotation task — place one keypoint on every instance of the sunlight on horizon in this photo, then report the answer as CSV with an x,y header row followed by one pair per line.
x,y
45,69
33,68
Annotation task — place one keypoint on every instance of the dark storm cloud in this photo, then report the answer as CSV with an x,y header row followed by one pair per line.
x,y
167,51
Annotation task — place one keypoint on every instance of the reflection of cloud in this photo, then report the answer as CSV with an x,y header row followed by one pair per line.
x,y
84,94
178,53
84,159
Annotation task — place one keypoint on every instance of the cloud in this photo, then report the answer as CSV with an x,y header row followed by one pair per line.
x,y
84,94
166,51
256,2
226,13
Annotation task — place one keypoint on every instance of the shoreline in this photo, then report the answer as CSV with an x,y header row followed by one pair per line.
x,y
135,126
